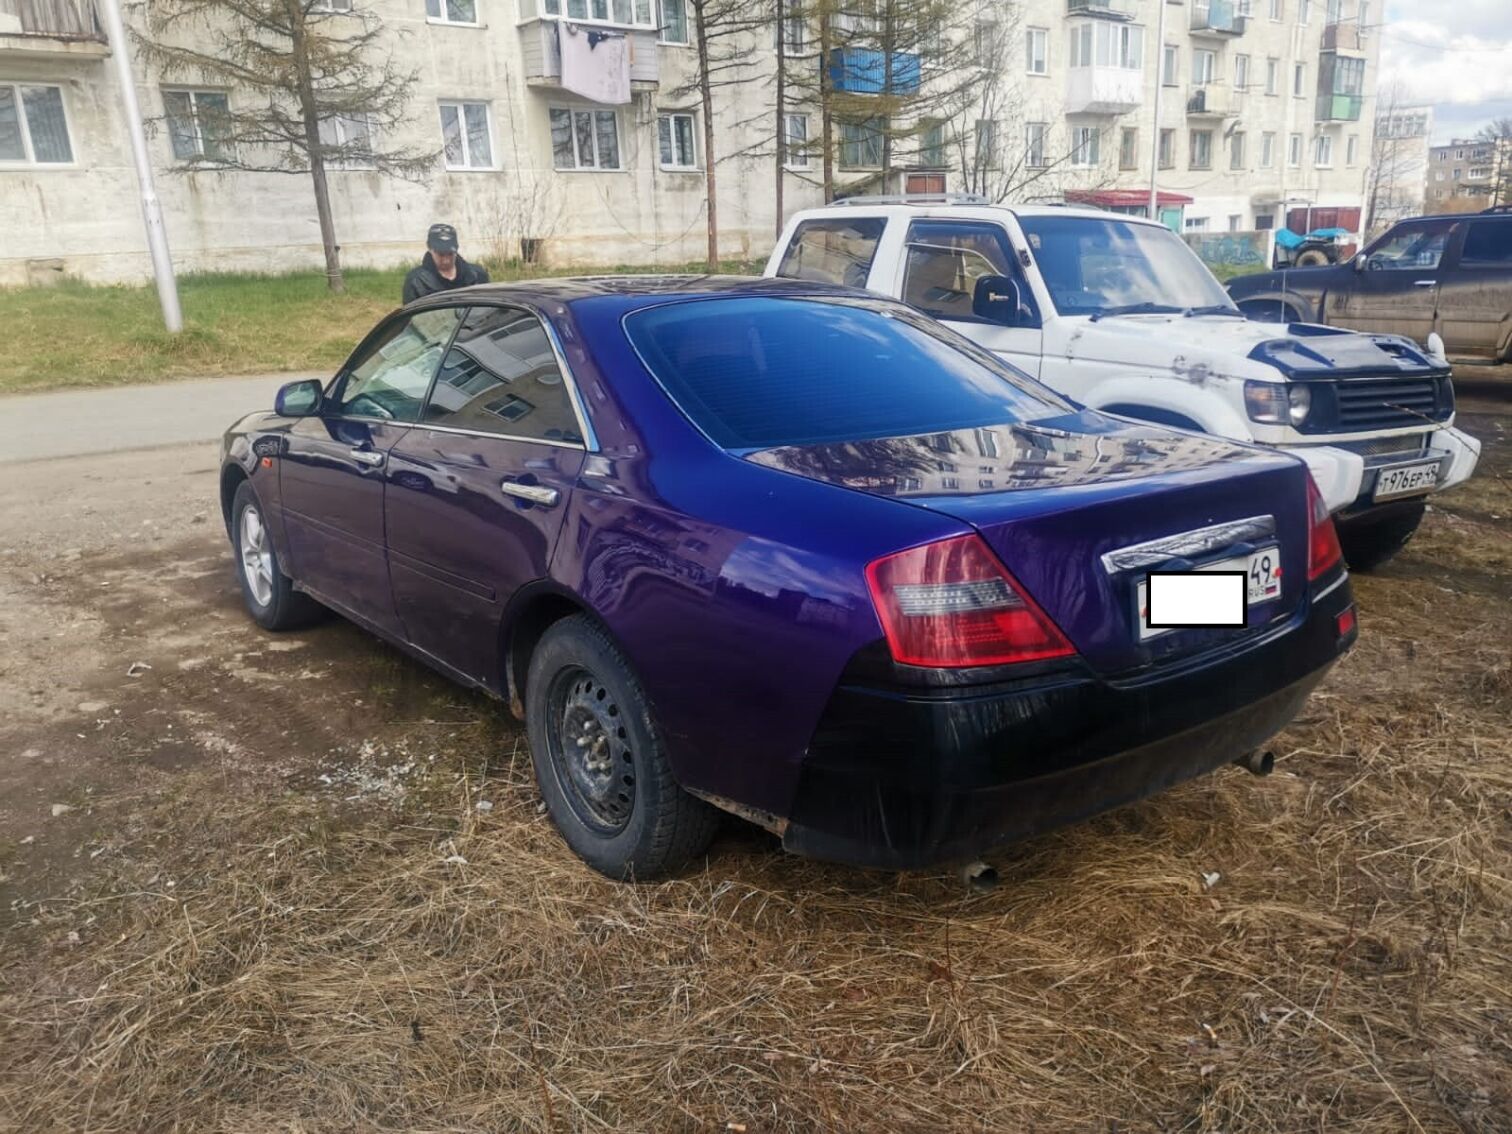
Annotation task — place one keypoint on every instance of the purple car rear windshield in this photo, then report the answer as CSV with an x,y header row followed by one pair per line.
x,y
755,372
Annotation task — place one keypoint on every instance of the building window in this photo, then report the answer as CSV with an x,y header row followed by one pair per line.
x,y
331,6
795,143
199,124
1352,150
674,141
1196,224
1278,9
1104,44
350,136
1128,148
584,139
1034,145
1037,51
1204,66
1170,65
1268,149
1200,153
628,13
467,140
1241,72
861,143
1323,151
1236,150
932,152
33,126
1273,76
674,21
1294,151
1333,10
794,27
1299,80
1304,11
1168,149
452,11
1475,173
1084,145
986,144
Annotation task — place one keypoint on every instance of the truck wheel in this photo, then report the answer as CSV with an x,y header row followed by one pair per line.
x,y
1312,258
600,762
1369,541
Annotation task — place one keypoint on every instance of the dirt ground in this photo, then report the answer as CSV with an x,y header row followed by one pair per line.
x,y
299,883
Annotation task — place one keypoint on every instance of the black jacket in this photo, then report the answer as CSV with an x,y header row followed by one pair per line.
x,y
425,280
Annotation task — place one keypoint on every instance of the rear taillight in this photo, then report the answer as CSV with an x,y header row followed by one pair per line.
x,y
1323,552
953,604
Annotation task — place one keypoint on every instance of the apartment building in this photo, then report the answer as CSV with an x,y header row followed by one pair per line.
x,y
1397,183
1262,106
1469,175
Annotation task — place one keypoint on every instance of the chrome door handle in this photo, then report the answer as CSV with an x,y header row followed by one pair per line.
x,y
535,493
367,457
1424,283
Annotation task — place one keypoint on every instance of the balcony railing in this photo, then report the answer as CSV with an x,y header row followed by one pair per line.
x,y
53,19
1220,16
1339,107
1343,37
1210,102
860,71
1103,90
542,58
1105,9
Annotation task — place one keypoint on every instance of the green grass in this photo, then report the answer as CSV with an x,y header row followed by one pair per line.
x,y
79,334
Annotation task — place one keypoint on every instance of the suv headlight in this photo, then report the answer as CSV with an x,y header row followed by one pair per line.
x,y
1274,403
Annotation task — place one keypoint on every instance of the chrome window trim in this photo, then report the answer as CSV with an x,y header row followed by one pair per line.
x,y
1198,541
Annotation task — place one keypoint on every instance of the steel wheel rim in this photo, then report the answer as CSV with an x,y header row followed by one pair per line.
x,y
256,556
590,750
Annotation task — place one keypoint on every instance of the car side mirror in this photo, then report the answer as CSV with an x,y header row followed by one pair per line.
x,y
1361,262
298,399
997,299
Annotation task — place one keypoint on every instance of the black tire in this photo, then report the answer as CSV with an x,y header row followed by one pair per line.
x,y
279,606
1312,258
609,787
1369,542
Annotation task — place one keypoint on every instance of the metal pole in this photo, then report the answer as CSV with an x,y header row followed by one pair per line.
x,y
1155,131
152,209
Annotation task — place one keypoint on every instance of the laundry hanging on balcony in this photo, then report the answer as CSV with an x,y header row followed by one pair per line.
x,y
595,63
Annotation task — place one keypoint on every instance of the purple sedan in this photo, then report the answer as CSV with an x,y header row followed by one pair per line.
x,y
789,551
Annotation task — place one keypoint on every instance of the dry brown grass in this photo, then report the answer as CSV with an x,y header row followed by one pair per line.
x,y
315,968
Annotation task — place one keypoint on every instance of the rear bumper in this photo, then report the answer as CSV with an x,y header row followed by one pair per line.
x,y
906,779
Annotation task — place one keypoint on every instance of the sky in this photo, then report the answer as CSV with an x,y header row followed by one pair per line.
x,y
1455,54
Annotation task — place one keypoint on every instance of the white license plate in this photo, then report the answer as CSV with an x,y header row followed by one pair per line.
x,y
1262,583
1405,480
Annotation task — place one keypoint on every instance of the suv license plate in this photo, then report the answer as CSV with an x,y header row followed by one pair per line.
x,y
1405,480
1262,584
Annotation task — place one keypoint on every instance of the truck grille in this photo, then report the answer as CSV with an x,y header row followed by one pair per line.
x,y
1387,450
1385,403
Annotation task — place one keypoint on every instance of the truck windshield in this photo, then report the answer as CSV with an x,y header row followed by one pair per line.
x,y
1111,267
754,372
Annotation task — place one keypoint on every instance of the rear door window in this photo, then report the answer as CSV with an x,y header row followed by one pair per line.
x,y
1488,244
945,259
835,250
756,372
501,376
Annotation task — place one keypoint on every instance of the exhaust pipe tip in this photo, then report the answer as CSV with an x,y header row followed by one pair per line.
x,y
1260,762
980,877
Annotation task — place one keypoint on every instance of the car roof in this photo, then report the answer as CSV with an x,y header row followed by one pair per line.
x,y
570,289
971,211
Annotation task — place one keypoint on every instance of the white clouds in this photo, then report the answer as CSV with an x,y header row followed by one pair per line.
x,y
1457,53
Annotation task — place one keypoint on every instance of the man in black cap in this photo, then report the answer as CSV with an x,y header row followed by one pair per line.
x,y
443,268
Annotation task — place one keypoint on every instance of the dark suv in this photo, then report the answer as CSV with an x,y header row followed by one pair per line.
x,y
1446,274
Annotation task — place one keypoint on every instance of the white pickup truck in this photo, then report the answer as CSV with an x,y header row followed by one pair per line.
x,y
1119,314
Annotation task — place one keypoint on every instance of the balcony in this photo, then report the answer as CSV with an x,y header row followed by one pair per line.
x,y
1339,107
49,28
1343,37
1101,9
1103,90
859,71
1211,101
1217,17
542,58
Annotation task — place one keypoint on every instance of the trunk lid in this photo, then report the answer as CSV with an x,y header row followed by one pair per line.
x,y
1080,509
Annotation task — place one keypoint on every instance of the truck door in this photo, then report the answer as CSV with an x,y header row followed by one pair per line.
x,y
1475,291
1397,291
942,261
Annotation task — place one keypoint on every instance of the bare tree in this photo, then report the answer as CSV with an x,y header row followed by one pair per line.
x,y
1499,134
1396,179
313,91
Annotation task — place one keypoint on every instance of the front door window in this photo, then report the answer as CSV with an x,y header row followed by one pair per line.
x,y
1414,247
390,379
